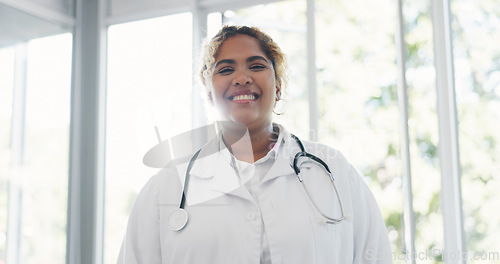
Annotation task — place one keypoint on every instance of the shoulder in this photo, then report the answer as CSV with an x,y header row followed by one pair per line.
x,y
320,150
165,182
327,153
341,168
330,155
164,175
323,150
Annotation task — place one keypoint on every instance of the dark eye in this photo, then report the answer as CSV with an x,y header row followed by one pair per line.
x,y
225,71
257,67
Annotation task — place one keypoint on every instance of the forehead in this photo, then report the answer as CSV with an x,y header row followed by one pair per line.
x,y
239,46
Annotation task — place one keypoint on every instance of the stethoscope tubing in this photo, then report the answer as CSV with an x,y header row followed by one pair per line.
x,y
179,218
303,153
186,179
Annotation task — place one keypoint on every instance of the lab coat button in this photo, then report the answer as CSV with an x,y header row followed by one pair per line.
x,y
250,216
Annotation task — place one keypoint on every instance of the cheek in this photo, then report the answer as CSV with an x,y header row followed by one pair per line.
x,y
271,86
220,82
218,89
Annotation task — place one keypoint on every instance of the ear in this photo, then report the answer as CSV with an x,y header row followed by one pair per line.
x,y
278,93
210,97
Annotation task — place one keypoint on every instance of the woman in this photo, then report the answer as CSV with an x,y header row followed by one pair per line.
x,y
242,199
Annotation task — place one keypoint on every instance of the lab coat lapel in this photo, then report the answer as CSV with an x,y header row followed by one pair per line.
x,y
222,178
284,160
225,178
281,167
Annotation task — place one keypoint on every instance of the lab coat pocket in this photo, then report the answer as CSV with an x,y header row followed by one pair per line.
x,y
333,242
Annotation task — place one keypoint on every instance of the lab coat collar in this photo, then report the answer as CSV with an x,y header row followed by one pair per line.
x,y
283,164
215,165
204,166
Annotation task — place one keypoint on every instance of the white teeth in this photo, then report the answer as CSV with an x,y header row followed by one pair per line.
x,y
244,97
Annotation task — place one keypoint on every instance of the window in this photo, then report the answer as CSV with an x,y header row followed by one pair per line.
x,y
35,92
423,128
6,84
477,79
149,84
358,103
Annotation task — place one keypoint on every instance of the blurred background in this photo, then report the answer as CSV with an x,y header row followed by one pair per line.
x,y
408,91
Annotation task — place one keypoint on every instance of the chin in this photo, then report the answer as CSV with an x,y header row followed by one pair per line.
x,y
252,122
246,120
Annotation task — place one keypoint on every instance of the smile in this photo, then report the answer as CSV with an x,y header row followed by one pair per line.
x,y
244,97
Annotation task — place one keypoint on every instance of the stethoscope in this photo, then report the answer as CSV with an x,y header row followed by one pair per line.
x,y
179,218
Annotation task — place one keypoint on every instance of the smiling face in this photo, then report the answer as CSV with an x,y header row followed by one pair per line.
x,y
243,82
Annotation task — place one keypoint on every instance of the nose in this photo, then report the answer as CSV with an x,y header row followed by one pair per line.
x,y
242,78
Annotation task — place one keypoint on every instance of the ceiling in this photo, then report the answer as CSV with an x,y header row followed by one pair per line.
x,y
17,26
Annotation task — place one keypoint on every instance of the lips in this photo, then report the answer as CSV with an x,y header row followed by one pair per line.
x,y
243,97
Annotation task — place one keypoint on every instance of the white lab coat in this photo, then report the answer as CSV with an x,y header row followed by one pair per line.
x,y
225,222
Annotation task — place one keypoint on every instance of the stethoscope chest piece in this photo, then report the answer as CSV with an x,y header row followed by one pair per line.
x,y
178,219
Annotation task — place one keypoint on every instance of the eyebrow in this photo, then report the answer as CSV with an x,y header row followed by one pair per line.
x,y
249,59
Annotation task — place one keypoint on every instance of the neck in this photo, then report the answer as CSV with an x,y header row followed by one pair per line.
x,y
252,146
